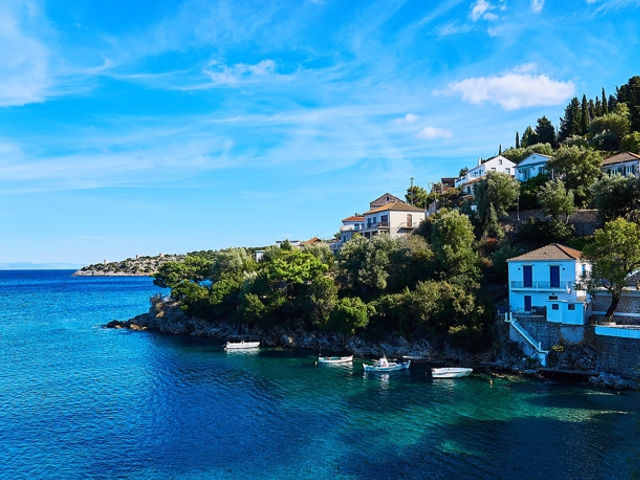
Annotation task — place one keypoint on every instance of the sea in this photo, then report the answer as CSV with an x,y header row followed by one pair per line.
x,y
78,401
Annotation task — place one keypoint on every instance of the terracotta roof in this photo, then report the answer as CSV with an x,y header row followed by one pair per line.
x,y
620,158
553,251
354,218
395,207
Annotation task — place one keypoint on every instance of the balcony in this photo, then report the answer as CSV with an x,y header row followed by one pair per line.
x,y
377,226
515,285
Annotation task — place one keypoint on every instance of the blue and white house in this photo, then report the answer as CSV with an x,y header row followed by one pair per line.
x,y
495,164
532,166
544,280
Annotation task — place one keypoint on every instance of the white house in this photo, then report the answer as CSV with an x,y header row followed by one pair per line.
x,y
495,164
545,279
533,165
624,164
351,225
396,219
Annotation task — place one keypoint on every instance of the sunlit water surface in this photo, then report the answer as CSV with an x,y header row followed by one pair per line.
x,y
81,401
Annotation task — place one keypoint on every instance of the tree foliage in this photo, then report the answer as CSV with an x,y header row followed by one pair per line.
x,y
617,196
556,201
614,255
578,168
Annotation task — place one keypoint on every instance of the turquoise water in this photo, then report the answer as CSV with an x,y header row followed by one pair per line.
x,y
80,401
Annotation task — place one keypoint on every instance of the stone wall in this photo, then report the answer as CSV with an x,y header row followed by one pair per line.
x,y
585,221
628,311
620,356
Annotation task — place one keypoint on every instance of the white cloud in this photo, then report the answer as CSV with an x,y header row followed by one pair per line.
x,y
482,9
537,6
513,90
24,75
408,118
429,133
221,74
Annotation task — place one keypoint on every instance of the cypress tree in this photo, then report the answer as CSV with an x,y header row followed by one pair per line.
x,y
545,132
517,140
605,106
597,108
500,150
592,114
584,116
613,101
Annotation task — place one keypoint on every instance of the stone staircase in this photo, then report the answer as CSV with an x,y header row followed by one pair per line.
x,y
539,353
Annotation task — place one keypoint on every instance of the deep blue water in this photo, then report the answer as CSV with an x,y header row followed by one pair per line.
x,y
79,401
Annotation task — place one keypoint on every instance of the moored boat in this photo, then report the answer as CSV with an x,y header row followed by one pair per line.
x,y
451,372
241,345
335,360
383,366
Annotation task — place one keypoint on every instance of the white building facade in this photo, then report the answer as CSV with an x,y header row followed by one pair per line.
x,y
544,280
396,219
532,166
495,164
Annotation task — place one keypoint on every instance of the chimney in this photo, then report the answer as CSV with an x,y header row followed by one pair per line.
x,y
479,161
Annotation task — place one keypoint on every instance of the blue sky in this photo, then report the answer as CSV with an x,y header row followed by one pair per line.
x,y
139,127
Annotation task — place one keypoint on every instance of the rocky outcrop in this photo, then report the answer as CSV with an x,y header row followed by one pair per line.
x,y
615,382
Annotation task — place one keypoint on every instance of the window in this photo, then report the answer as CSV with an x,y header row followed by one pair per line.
x,y
500,162
555,306
571,306
507,170
553,297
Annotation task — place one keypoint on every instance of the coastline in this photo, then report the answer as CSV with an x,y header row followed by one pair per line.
x,y
503,356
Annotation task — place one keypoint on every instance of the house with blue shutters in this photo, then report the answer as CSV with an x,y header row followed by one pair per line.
x,y
544,281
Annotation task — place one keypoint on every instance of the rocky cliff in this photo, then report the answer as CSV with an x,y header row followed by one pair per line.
x,y
131,267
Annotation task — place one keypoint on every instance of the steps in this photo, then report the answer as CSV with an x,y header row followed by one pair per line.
x,y
537,346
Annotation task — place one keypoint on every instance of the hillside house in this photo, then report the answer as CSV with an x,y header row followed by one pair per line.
x,y
396,219
495,164
624,164
544,281
532,166
351,225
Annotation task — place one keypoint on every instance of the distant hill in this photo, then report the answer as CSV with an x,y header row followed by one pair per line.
x,y
131,267
39,266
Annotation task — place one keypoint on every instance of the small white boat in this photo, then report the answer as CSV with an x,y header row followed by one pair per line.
x,y
451,372
335,360
241,345
383,366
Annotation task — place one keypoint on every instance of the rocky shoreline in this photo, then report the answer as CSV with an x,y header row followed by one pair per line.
x,y
505,356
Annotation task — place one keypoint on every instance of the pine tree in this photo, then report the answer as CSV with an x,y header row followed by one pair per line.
x,y
517,140
597,108
545,132
611,104
528,137
591,110
584,116
570,124
605,105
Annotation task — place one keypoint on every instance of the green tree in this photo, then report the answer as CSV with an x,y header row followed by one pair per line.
x,y
495,194
452,242
617,196
570,123
616,124
546,132
584,116
192,269
349,314
517,140
631,142
363,265
630,94
556,200
614,255
578,168
605,105
528,137
416,196
529,191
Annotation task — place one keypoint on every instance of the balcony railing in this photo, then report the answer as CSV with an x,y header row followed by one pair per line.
x,y
542,285
377,225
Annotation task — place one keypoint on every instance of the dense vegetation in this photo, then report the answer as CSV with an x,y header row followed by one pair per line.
x,y
444,280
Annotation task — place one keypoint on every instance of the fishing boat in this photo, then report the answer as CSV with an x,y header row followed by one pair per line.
x,y
383,366
335,360
241,345
451,372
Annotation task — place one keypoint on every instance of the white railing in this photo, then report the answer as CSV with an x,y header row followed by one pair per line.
x,y
541,285
542,354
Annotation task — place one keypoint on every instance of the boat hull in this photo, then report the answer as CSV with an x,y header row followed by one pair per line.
x,y
335,360
241,345
451,372
392,367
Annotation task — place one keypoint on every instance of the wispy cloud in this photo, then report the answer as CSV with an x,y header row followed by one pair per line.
x,y
429,133
25,73
453,28
513,90
482,9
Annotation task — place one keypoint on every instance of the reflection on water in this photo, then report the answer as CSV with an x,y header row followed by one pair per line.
x,y
85,402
